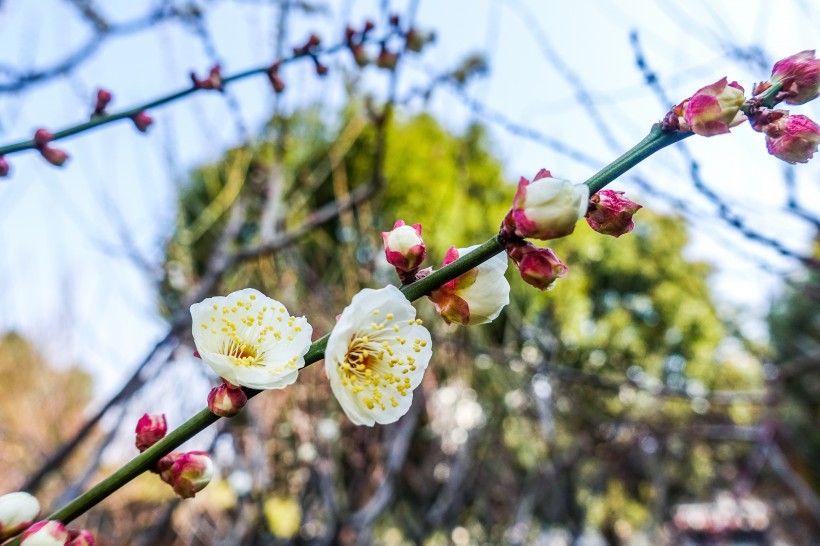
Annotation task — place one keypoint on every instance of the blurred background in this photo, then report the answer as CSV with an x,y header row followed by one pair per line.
x,y
667,391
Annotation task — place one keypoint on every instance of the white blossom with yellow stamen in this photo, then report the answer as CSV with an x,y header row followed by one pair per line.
x,y
250,339
376,356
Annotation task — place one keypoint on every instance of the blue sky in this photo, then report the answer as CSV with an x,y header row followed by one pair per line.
x,y
69,284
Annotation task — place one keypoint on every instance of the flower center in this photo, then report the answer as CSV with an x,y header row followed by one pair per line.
x,y
376,364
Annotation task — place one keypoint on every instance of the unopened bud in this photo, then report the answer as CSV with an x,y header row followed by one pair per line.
x,y
793,139
404,248
610,213
42,137
103,98
188,473
142,121
226,400
713,109
394,20
368,26
547,207
45,533
539,267
53,155
17,511
81,538
321,69
150,430
4,167
800,76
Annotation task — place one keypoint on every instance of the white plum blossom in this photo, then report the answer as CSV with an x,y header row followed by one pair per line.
x,y
476,297
249,339
376,355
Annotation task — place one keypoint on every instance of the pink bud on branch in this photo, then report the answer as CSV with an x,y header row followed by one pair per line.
x,y
547,207
610,213
712,110
226,400
539,267
793,139
188,473
4,167
150,430
142,121
54,156
800,77
404,249
103,98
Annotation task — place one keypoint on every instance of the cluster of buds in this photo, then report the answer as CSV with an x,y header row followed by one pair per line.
x,y
548,208
227,399
311,49
792,138
54,156
187,473
213,81
102,100
355,40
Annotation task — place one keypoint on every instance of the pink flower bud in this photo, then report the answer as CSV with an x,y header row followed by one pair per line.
x,y
42,137
539,267
4,167
476,297
713,109
17,511
793,139
45,533
213,81
150,430
188,473
53,155
81,538
226,400
611,214
404,248
800,76
387,59
142,121
547,207
103,98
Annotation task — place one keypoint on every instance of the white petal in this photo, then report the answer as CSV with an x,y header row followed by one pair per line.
x,y
490,292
